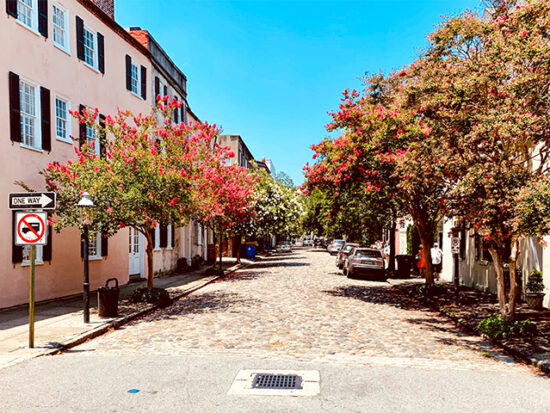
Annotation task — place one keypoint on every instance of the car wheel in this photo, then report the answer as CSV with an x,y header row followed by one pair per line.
x,y
349,273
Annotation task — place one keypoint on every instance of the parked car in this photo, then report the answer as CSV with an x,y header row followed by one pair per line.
x,y
335,246
308,243
365,261
284,247
343,253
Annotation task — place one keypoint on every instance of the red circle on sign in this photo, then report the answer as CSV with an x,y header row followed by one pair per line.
x,y
32,230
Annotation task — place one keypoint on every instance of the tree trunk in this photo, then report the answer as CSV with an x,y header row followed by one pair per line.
x,y
220,266
513,284
498,264
239,249
427,241
391,262
149,250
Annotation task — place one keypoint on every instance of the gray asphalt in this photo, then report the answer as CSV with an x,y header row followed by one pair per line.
x,y
82,381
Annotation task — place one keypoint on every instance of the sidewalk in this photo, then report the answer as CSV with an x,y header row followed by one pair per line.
x,y
474,306
59,324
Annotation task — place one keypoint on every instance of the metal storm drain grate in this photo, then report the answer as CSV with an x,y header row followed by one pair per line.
x,y
277,381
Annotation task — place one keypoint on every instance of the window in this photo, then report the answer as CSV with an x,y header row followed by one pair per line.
x,y
89,48
134,76
30,130
94,246
157,238
38,259
62,120
26,13
92,139
60,25
199,234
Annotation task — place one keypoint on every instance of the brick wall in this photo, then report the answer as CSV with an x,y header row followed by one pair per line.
x,y
108,6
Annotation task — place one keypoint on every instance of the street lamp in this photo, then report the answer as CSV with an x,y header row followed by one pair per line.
x,y
86,206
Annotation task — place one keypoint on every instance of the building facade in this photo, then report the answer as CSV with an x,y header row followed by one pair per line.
x,y
72,55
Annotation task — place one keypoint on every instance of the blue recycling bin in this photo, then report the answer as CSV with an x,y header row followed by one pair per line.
x,y
250,251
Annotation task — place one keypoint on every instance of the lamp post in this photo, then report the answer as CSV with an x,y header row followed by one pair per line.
x,y
86,206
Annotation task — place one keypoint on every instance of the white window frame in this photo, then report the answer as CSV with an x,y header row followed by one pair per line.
x,y
169,240
66,47
39,255
156,247
94,63
94,136
199,234
137,79
68,118
37,136
95,243
34,15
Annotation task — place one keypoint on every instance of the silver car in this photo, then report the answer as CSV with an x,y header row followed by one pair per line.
x,y
365,261
335,246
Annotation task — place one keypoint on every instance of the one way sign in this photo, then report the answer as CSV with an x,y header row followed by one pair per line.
x,y
33,200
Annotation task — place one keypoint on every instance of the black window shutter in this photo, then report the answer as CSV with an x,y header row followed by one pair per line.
x,y
82,128
172,231
47,251
79,38
143,82
45,119
104,245
163,236
128,72
43,17
15,116
157,86
102,137
100,53
16,251
11,7
176,113
165,90
182,110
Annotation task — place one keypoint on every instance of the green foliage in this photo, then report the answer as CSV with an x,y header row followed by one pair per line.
x,y
158,296
498,327
534,282
430,290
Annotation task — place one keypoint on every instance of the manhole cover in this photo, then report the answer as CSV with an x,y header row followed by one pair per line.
x,y
277,381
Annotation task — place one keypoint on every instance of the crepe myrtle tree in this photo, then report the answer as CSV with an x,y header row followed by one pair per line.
x,y
225,196
483,87
390,152
145,174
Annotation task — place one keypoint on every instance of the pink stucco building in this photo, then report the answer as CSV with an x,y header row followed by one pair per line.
x,y
61,55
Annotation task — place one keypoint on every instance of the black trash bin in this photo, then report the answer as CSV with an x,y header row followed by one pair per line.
x,y
107,299
404,265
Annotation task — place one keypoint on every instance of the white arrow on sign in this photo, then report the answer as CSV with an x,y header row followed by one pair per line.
x,y
33,200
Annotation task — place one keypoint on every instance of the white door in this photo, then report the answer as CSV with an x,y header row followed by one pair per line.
x,y
135,250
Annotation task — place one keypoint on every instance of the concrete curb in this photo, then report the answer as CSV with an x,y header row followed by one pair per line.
x,y
116,323
541,365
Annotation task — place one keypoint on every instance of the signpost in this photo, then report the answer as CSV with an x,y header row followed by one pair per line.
x,y
455,249
31,228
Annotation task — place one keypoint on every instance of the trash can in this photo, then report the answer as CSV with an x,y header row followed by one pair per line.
x,y
107,299
404,264
251,250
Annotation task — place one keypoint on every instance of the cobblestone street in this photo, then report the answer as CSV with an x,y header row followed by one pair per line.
x,y
298,306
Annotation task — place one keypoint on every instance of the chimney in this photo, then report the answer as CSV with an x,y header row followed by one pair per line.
x,y
107,6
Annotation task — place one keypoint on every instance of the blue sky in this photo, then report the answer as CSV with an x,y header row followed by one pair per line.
x,y
271,70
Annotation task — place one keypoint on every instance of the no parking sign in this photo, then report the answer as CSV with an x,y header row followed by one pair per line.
x,y
31,228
